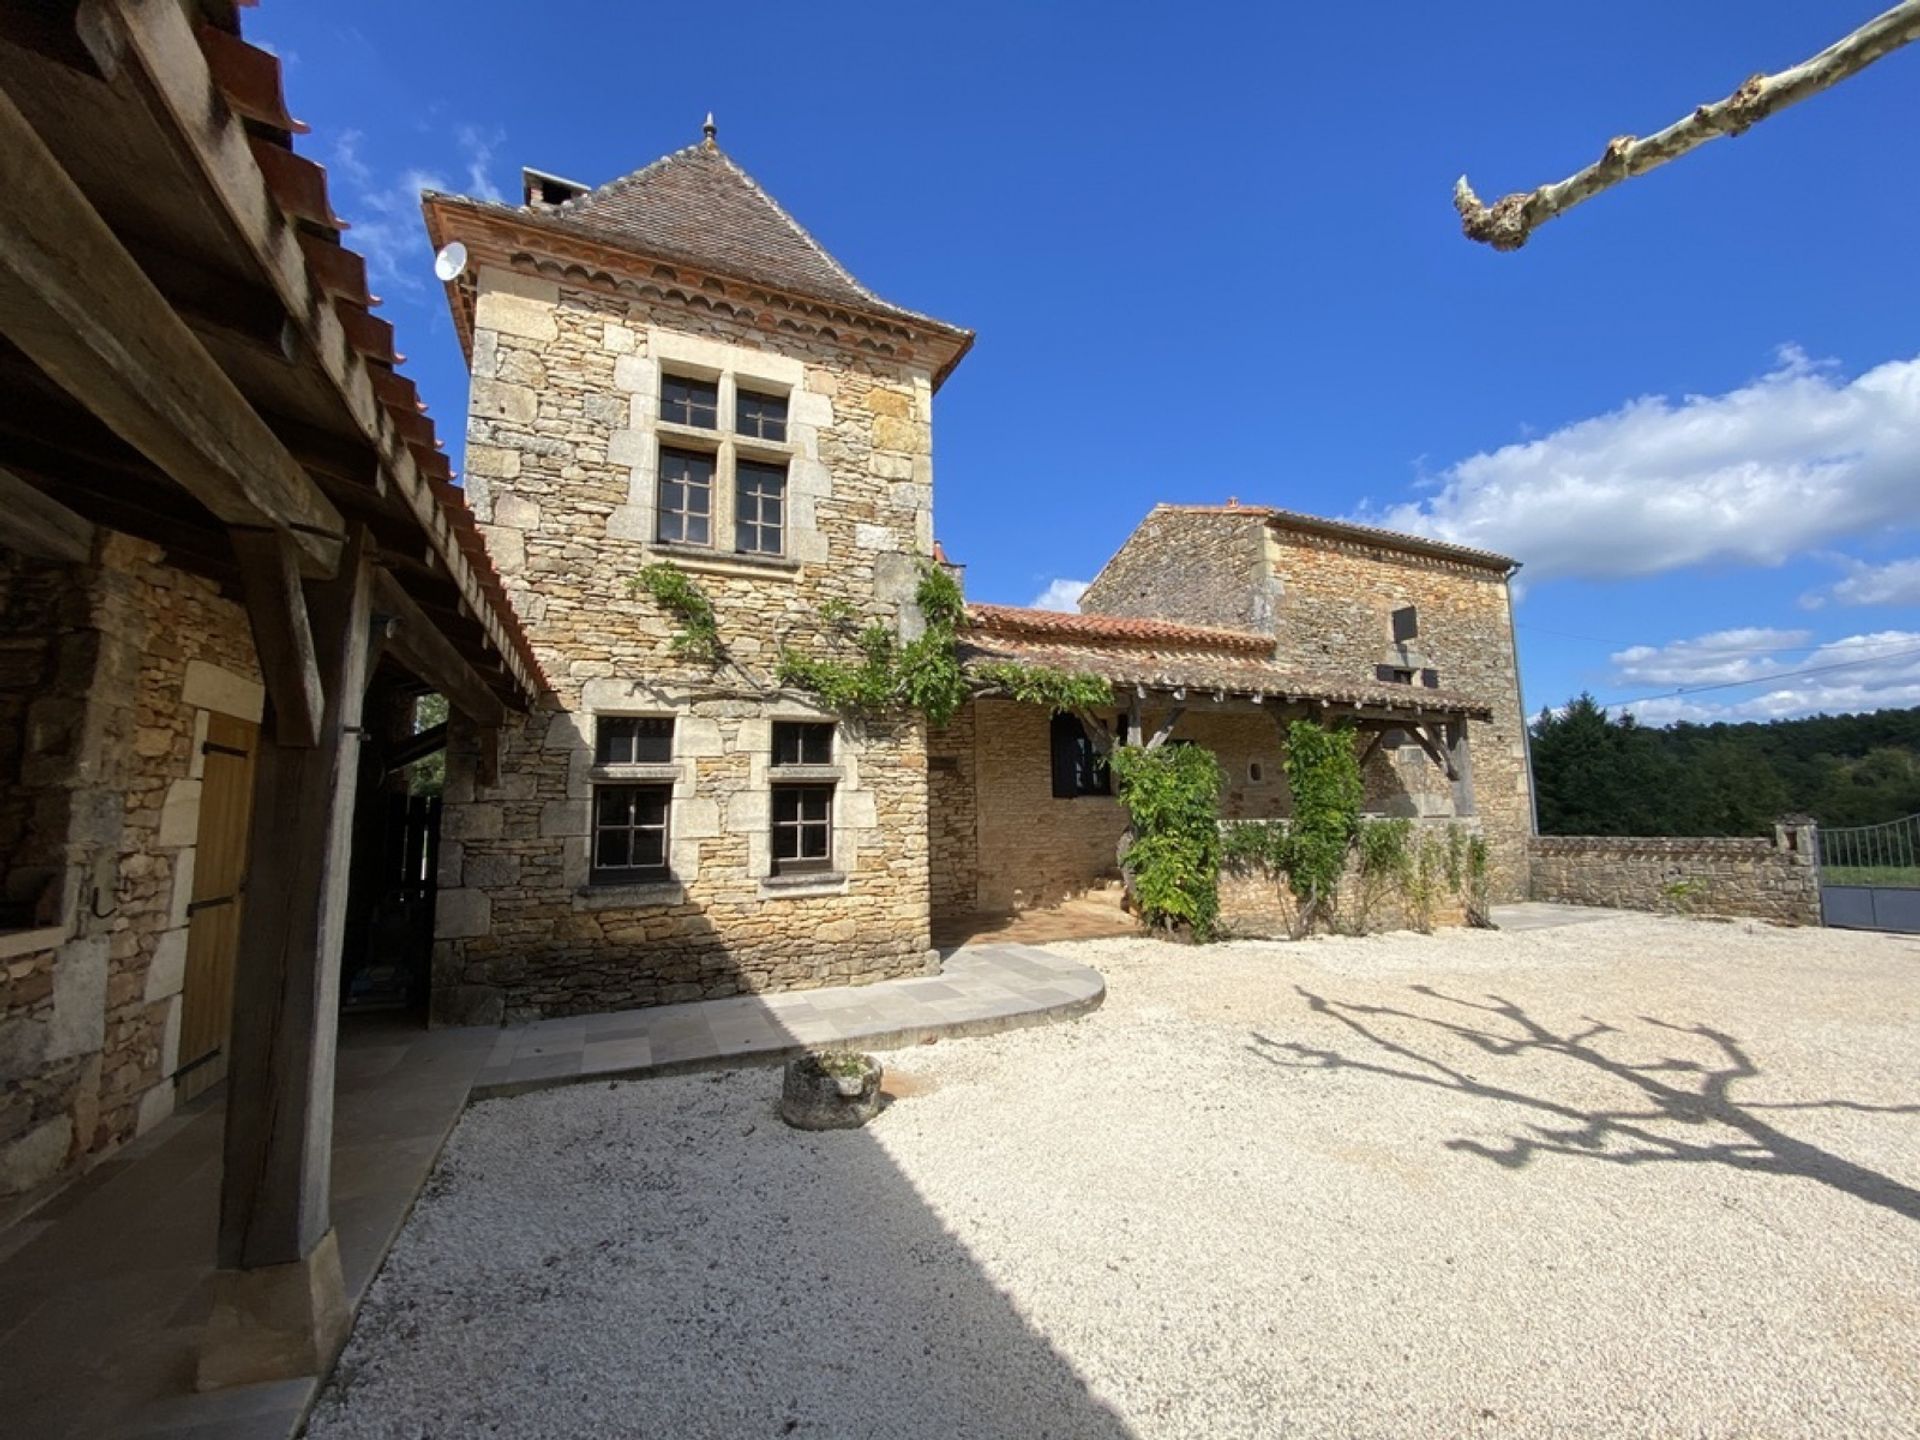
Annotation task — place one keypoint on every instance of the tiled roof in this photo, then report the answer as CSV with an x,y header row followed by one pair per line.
x,y
1158,655
1350,530
696,206
1068,627
249,79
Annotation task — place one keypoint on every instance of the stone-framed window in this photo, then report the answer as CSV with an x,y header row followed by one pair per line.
x,y
686,496
630,839
802,742
759,508
1078,769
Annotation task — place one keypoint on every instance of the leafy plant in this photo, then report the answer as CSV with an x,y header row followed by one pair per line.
x,y
1256,844
1386,859
1323,772
1172,795
1041,685
1685,895
1423,883
1479,904
698,638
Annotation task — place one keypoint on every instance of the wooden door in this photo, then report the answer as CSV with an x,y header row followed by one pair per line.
x,y
219,881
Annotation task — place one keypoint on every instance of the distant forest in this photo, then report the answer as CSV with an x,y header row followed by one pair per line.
x,y
1596,775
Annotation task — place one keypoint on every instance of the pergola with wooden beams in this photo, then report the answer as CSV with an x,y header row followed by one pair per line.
x,y
188,354
1174,669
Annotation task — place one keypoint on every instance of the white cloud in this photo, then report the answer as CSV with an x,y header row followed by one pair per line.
x,y
1895,583
387,227
1060,595
1875,671
1797,459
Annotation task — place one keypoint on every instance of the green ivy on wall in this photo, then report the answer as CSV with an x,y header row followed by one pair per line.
x,y
1172,795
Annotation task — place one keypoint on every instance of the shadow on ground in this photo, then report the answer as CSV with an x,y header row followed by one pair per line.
x,y
1669,1097
665,1257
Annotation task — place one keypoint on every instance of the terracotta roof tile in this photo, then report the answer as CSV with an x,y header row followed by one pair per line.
x,y
1111,629
697,206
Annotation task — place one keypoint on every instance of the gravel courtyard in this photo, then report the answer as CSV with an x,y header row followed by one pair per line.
x,y
1632,1177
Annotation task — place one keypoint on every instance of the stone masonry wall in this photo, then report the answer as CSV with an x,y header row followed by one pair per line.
x,y
1154,576
1337,598
953,842
110,763
1763,879
563,435
1255,904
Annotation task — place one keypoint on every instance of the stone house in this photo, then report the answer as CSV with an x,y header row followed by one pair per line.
x,y
668,369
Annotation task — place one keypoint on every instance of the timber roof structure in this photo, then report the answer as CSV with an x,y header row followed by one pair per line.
x,y
1160,655
189,351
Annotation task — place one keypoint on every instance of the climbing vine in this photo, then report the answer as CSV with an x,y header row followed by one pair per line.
x,y
1323,772
1172,796
698,638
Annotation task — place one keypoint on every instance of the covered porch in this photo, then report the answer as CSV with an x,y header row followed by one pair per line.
x,y
1026,829
233,556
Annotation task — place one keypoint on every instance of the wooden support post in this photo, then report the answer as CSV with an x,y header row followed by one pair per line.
x,y
1434,752
486,770
34,523
282,638
1379,736
1461,754
279,1307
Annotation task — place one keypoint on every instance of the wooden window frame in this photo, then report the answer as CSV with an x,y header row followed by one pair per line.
x,y
764,427
799,826
600,873
1086,772
801,731
689,407
606,735
684,512
754,524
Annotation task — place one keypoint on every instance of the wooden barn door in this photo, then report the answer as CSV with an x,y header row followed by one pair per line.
x,y
219,880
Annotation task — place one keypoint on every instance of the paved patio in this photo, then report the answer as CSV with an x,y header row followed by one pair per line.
x,y
104,1290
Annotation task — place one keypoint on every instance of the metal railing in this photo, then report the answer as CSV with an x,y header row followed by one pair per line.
x,y
1873,855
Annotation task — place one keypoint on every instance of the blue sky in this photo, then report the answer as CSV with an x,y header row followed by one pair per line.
x,y
1216,256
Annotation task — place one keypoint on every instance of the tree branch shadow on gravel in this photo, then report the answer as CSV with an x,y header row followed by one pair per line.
x,y
1679,1092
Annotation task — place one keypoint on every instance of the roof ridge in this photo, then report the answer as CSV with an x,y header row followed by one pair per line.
x,y
1143,627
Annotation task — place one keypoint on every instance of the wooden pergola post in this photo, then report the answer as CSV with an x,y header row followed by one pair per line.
x,y
279,1301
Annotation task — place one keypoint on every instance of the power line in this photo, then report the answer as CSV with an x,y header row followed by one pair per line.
x,y
1761,679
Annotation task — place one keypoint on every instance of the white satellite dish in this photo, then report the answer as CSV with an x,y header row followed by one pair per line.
x,y
451,260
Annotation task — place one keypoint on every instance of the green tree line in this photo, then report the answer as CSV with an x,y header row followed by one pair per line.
x,y
1600,775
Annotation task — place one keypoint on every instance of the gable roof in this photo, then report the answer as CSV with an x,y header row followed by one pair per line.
x,y
697,206
1073,627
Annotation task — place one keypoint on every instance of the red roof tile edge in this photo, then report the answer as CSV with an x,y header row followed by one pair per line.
x,y
1122,629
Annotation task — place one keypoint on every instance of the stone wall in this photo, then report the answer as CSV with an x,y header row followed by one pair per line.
x,y
1258,905
135,653
1764,879
1337,599
1329,601
563,439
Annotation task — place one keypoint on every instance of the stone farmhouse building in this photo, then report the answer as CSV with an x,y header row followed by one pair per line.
x,y
666,369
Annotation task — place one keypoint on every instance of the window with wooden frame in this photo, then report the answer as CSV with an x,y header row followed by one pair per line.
x,y
1078,768
759,508
632,740
630,834
802,829
690,402
686,497
762,416
802,742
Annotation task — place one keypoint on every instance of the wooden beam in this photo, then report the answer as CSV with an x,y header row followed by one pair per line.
x,y
82,309
416,748
1165,732
282,637
1461,773
36,524
160,41
1372,746
1434,752
418,643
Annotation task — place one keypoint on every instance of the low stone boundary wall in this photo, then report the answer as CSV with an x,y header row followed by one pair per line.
x,y
1256,904
1758,878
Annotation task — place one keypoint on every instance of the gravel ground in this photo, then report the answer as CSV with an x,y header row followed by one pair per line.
x,y
1637,1177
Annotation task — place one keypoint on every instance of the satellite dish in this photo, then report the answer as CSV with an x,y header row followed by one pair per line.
x,y
451,260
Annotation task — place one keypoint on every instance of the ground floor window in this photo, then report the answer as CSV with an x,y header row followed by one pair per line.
x,y
1078,768
630,833
802,828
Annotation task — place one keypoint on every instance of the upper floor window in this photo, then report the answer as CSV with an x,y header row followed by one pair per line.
x,y
762,416
1078,768
759,508
691,402
686,497
632,740
802,742
1406,624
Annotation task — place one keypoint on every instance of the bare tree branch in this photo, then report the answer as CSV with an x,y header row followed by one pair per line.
x,y
1508,222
